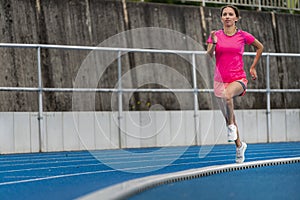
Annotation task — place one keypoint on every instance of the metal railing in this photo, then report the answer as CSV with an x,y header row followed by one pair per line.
x,y
195,90
259,4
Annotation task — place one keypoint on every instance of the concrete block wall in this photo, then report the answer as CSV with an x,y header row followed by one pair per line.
x,y
69,131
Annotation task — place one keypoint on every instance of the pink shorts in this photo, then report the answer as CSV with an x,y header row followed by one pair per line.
x,y
220,87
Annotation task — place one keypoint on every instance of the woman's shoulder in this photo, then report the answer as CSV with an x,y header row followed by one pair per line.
x,y
220,31
243,32
248,37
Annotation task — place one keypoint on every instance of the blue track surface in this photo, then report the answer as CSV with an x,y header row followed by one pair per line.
x,y
268,183
67,175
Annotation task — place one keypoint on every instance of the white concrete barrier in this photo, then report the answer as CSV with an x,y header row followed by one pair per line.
x,y
292,125
68,131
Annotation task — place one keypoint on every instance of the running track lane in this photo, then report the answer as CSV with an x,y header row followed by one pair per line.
x,y
68,175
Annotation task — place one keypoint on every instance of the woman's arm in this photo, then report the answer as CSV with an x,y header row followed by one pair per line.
x,y
211,46
210,49
259,49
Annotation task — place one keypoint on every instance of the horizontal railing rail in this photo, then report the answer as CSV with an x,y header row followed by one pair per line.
x,y
259,4
179,90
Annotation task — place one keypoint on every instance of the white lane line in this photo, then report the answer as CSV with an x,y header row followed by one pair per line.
x,y
47,168
136,156
166,151
111,157
114,163
117,152
52,177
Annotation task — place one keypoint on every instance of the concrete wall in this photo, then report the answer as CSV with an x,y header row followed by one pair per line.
x,y
68,131
89,22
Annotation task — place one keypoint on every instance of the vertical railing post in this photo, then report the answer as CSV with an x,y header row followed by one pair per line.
x,y
196,106
120,99
259,5
40,100
268,112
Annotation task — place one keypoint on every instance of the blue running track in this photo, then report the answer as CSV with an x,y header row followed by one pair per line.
x,y
267,183
69,175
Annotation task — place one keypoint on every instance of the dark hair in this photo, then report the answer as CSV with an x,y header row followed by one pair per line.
x,y
236,10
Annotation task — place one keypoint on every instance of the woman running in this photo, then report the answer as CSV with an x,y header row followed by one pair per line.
x,y
229,77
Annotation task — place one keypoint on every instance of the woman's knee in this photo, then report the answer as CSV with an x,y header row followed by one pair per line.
x,y
227,96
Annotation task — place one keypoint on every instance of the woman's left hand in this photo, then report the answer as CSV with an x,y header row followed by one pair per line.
x,y
253,73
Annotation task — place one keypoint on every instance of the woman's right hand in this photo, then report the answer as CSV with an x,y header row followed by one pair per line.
x,y
213,36
211,46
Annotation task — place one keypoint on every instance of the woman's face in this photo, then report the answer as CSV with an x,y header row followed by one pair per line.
x,y
228,17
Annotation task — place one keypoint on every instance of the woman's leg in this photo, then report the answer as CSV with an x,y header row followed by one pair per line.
x,y
222,106
238,142
226,104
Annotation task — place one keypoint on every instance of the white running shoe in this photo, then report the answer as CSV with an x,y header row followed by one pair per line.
x,y
240,153
232,133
